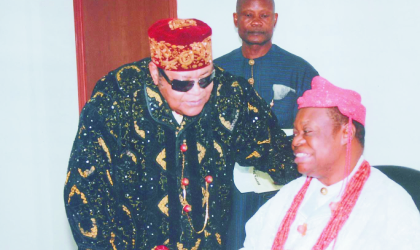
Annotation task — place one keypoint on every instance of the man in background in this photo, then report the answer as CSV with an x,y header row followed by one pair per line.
x,y
278,76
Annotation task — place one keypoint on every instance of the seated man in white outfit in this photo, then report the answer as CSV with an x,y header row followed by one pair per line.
x,y
340,202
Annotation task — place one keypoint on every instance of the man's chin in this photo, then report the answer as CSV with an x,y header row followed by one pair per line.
x,y
303,168
192,112
256,40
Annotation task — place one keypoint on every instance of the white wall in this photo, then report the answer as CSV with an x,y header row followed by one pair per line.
x,y
39,113
369,46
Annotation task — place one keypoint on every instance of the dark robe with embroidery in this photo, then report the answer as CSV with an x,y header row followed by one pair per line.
x,y
123,187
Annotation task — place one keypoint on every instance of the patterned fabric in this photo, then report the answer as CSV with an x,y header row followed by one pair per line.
x,y
180,44
280,77
123,183
326,95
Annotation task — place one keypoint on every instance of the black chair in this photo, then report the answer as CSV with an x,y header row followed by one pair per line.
x,y
407,178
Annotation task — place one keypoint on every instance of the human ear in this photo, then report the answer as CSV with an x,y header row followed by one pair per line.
x,y
154,73
276,15
348,130
235,19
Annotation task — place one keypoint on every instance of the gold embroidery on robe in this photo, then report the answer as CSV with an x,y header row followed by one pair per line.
x,y
162,206
87,172
195,247
218,89
98,94
139,131
130,154
67,178
153,94
229,125
135,96
81,129
263,142
124,68
252,108
112,133
206,234
218,148
75,190
93,231
197,244
253,154
218,238
160,159
109,177
126,210
105,148
202,152
112,241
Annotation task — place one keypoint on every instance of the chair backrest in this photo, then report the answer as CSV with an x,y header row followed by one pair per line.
x,y
407,178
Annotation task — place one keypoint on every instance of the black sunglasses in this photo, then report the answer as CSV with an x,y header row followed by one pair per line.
x,y
184,86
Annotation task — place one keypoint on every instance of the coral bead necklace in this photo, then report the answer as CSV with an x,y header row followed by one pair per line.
x,y
186,207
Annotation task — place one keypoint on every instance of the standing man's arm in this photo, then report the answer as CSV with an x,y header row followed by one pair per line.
x,y
261,142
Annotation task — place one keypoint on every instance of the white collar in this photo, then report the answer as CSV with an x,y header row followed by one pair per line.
x,y
340,186
178,117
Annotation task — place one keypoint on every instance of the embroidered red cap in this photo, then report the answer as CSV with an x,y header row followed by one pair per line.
x,y
325,95
180,44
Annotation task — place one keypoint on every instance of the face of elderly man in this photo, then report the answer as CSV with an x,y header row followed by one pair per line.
x,y
189,103
318,145
255,20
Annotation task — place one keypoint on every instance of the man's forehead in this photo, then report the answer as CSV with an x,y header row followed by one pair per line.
x,y
248,4
192,74
311,115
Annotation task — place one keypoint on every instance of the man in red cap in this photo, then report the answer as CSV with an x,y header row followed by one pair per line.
x,y
151,166
340,202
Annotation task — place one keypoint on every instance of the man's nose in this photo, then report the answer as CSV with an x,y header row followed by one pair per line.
x,y
196,89
297,140
256,21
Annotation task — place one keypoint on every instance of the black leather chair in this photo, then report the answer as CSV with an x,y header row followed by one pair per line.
x,y
407,178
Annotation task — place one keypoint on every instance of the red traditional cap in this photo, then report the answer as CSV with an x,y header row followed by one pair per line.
x,y
325,95
180,44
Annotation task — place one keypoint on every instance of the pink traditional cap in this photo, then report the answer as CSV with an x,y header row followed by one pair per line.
x,y
325,95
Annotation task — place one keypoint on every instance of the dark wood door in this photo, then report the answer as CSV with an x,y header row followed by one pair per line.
x,y
111,33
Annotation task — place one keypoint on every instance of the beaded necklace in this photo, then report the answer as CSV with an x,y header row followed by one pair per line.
x,y
340,210
186,207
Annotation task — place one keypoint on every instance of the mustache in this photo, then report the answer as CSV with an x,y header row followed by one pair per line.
x,y
256,32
